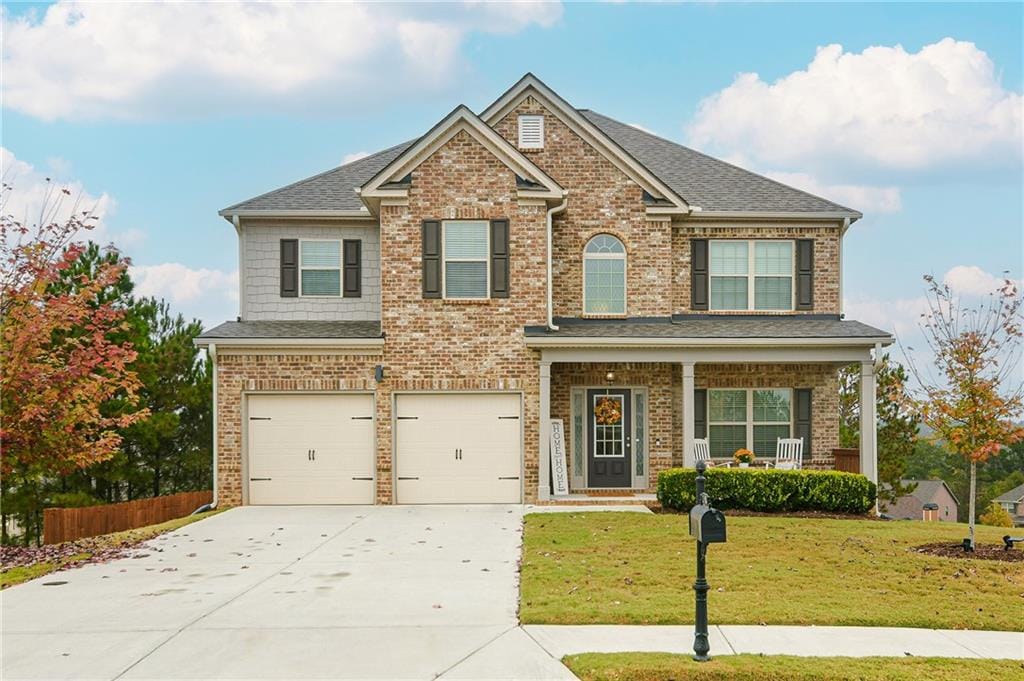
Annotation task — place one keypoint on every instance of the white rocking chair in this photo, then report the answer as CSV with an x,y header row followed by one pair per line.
x,y
789,453
702,452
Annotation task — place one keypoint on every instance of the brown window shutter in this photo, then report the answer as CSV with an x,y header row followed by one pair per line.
x,y
352,268
802,417
431,259
805,274
698,274
289,268
499,259
700,413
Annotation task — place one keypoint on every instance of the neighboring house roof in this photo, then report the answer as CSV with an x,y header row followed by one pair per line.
x,y
1015,495
292,330
926,489
707,182
803,327
700,180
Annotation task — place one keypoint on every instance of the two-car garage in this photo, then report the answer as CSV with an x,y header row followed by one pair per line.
x,y
319,448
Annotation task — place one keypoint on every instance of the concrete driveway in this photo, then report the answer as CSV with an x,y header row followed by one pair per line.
x,y
396,592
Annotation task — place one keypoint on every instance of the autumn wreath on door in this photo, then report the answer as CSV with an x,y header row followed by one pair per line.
x,y
608,411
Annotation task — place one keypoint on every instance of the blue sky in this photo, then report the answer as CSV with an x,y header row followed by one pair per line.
x,y
168,114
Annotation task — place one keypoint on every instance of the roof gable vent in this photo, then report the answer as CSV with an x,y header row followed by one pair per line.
x,y
531,132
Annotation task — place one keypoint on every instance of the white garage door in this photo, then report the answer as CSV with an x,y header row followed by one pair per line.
x,y
458,448
310,449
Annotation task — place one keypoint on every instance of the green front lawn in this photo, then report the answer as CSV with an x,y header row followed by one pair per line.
x,y
664,666
631,568
76,552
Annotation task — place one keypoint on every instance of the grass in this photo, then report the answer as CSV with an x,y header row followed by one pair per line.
x,y
631,568
665,666
91,545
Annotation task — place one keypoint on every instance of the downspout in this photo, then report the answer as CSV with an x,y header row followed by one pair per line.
x,y
842,236
212,351
551,308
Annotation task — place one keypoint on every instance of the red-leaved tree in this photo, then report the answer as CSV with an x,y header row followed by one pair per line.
x,y
975,399
61,368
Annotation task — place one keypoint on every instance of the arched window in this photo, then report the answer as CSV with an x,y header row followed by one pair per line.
x,y
604,276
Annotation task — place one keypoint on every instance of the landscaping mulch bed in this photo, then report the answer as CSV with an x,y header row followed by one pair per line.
x,y
981,552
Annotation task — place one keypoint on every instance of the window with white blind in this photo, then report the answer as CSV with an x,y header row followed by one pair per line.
x,y
320,267
466,253
751,419
604,276
751,275
531,132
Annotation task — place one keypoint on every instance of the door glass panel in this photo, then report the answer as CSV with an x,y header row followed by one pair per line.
x,y
609,434
577,433
640,424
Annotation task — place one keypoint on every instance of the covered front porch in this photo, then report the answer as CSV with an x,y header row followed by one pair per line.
x,y
631,407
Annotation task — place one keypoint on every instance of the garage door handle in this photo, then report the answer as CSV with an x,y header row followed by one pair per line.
x,y
259,418
407,418
362,418
407,478
508,477
514,418
256,479
356,478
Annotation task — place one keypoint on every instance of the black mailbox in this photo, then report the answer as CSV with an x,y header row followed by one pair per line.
x,y
707,524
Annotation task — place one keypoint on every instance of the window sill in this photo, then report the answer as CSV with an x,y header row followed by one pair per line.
x,y
467,301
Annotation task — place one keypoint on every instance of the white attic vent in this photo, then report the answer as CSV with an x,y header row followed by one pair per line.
x,y
531,132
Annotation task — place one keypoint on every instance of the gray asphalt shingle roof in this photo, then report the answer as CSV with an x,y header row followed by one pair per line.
x,y
701,180
1014,495
292,329
796,326
707,182
926,489
331,190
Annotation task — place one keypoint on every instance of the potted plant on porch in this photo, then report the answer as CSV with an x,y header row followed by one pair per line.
x,y
744,457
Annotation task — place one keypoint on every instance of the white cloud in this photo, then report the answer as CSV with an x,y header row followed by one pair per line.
x,y
354,156
971,280
205,294
857,196
166,59
33,190
883,108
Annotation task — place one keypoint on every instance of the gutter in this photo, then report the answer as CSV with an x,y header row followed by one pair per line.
x,y
557,209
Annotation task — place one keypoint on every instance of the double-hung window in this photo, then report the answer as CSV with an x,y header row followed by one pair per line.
x,y
466,252
320,267
751,275
751,419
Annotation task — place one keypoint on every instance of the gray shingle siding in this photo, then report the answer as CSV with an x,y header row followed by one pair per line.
x,y
261,258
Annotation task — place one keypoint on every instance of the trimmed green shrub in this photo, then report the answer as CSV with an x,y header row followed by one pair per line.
x,y
769,491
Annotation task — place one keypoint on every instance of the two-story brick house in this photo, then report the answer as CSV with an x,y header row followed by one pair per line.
x,y
411,322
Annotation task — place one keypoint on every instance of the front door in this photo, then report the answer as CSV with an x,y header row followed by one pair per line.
x,y
609,450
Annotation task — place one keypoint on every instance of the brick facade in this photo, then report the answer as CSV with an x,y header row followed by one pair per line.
x,y
441,345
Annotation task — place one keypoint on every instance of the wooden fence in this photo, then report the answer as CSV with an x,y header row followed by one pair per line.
x,y
66,524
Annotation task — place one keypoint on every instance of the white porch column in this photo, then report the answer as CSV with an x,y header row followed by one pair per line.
x,y
544,474
688,417
868,422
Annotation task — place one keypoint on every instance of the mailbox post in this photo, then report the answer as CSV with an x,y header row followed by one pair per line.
x,y
707,526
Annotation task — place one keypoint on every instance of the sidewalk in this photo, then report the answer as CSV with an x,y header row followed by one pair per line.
x,y
533,652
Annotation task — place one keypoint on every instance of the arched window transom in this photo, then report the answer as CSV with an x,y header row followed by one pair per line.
x,y
604,276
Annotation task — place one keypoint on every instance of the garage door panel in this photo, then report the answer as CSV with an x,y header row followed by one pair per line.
x,y
458,448
311,449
